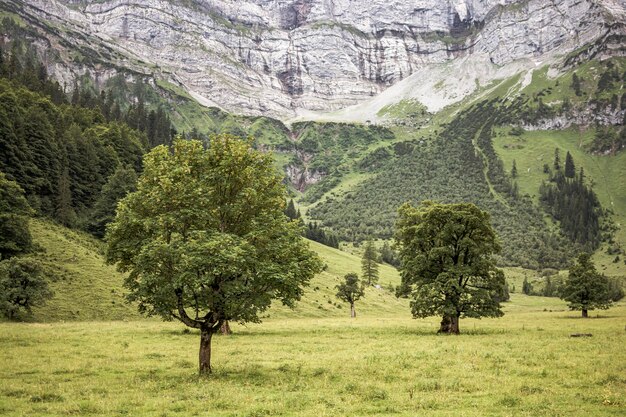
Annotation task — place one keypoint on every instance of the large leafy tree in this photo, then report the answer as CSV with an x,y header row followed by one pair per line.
x,y
205,239
586,289
350,291
447,264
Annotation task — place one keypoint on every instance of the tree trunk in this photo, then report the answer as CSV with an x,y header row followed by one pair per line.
x,y
585,314
225,329
352,311
205,351
454,326
449,325
444,327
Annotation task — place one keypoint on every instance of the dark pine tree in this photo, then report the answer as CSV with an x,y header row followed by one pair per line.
x,y
570,169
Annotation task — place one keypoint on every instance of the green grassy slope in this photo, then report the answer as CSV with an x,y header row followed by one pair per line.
x,y
532,150
85,288
320,301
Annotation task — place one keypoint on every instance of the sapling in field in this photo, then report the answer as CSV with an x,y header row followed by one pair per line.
x,y
350,291
369,264
204,239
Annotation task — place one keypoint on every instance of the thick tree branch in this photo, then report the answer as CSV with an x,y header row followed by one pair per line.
x,y
183,316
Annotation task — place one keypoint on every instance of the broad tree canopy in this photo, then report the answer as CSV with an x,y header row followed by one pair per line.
x,y
586,288
204,238
447,262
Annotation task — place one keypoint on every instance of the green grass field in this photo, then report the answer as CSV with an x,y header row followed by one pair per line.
x,y
524,364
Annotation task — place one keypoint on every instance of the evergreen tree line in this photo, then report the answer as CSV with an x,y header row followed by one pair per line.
x,y
313,230
572,203
61,154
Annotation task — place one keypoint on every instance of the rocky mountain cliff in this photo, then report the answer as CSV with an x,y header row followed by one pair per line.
x,y
285,58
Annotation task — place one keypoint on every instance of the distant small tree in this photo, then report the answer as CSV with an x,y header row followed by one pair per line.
x,y
22,285
557,160
290,211
585,288
350,291
576,84
514,170
369,264
388,255
527,287
570,169
64,210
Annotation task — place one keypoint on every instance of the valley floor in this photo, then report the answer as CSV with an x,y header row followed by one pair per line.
x,y
524,364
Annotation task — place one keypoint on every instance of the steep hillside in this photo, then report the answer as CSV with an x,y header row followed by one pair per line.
x,y
85,288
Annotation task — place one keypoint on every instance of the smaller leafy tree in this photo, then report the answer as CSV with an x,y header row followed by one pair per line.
x,y
369,264
527,287
15,238
22,285
585,288
350,291
447,262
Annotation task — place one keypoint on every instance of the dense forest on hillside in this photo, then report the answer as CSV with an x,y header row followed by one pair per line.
x,y
460,165
62,150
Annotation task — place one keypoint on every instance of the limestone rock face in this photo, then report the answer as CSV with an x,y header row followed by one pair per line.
x,y
283,57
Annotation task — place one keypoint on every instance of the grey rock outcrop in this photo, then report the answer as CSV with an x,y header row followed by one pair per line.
x,y
278,57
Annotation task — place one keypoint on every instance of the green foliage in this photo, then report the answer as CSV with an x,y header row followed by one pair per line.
x,y
575,206
608,140
350,290
570,168
120,183
205,231
64,212
585,288
22,286
15,237
290,211
60,154
319,234
459,166
369,264
447,261
388,255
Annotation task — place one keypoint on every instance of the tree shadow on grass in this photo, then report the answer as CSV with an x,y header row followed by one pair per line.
x,y
579,317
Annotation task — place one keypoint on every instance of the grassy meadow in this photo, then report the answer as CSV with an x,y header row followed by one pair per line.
x,y
80,358
524,364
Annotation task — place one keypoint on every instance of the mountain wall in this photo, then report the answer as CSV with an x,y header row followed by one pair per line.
x,y
285,57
